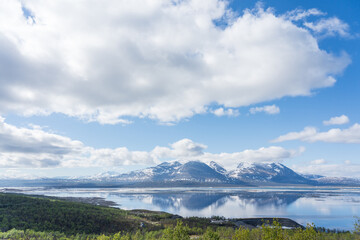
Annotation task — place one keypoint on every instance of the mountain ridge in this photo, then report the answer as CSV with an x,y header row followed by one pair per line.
x,y
193,174
269,173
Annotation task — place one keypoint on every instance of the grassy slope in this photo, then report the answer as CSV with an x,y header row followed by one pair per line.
x,y
42,214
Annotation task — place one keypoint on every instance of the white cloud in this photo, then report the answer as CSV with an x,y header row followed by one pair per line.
x,y
227,160
348,169
269,154
182,149
325,27
36,148
318,161
269,109
343,119
329,27
225,112
159,59
335,135
347,162
16,174
300,14
33,147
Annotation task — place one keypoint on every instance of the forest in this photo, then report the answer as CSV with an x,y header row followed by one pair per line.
x,y
38,217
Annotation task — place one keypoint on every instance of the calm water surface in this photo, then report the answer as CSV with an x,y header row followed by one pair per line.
x,y
325,207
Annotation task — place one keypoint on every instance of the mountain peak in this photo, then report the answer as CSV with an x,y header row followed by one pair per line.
x,y
197,172
267,172
217,167
168,164
246,165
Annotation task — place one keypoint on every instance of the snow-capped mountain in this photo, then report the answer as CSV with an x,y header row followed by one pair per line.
x,y
312,176
105,175
199,172
217,168
267,173
192,171
160,172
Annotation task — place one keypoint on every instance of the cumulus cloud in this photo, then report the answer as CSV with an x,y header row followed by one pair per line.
x,y
329,27
182,149
225,112
269,109
33,147
335,135
158,59
37,148
343,119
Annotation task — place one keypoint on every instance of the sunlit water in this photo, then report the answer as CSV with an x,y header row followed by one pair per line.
x,y
325,207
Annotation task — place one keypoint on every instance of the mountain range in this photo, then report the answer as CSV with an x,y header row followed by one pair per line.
x,y
197,173
193,173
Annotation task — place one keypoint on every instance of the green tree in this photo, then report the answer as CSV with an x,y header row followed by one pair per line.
x,y
210,235
167,234
272,232
308,234
242,234
4,225
138,236
180,232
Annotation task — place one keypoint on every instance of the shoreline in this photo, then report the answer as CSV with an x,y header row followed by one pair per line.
x,y
197,202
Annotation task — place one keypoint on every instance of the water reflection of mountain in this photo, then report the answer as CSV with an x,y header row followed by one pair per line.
x,y
201,200
191,201
266,199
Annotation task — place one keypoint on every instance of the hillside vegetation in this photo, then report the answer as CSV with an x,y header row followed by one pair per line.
x,y
44,214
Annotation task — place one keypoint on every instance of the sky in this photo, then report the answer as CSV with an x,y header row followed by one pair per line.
x,y
89,86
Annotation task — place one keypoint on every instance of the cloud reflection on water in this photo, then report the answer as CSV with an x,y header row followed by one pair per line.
x,y
331,208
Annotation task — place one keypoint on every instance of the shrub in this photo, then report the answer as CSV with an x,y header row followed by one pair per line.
x,y
242,234
273,232
210,235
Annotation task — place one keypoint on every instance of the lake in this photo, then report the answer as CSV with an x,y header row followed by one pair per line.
x,y
333,208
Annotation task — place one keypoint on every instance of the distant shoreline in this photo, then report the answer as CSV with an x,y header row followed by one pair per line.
x,y
238,222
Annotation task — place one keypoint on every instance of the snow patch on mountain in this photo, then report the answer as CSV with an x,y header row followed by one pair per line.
x,y
267,172
217,167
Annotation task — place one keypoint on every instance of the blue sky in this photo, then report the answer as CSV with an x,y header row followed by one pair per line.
x,y
87,89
